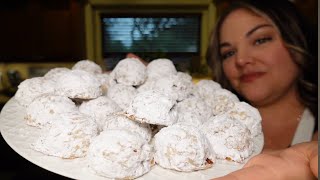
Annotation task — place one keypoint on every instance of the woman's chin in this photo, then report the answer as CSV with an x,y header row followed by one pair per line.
x,y
254,97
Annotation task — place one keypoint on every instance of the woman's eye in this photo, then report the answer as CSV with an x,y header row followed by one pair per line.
x,y
227,54
262,40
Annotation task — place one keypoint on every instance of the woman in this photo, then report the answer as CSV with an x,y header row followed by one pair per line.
x,y
258,50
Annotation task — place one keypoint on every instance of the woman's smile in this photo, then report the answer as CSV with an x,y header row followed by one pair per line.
x,y
250,77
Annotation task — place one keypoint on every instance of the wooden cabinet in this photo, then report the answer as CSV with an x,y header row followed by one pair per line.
x,y
38,31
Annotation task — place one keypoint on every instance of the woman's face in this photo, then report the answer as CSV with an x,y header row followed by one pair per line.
x,y
255,60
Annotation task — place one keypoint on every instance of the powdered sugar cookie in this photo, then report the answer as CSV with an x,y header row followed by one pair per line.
x,y
55,73
184,76
122,94
230,139
120,154
104,79
99,109
69,136
193,111
179,86
46,108
31,88
207,88
119,121
78,84
148,85
182,148
160,67
221,101
153,107
88,66
129,71
247,115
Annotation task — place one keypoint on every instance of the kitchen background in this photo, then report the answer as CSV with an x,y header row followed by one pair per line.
x,y
38,35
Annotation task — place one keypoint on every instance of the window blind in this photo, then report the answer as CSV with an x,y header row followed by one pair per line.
x,y
176,37
151,34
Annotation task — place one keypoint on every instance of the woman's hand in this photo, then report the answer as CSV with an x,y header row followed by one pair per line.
x,y
299,162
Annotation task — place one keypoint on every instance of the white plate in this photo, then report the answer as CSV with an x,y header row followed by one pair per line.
x,y
19,136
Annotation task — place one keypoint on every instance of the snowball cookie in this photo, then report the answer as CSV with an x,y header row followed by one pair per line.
x,y
148,85
153,107
179,86
221,101
184,76
122,94
182,148
229,139
54,73
207,88
193,111
47,108
67,137
78,84
119,121
31,88
120,154
104,79
187,80
88,66
99,109
247,115
160,67
129,71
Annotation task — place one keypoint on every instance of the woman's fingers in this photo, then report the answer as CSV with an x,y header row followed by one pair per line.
x,y
299,162
309,151
314,165
253,172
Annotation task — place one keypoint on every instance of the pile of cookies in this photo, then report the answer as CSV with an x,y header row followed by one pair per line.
x,y
134,117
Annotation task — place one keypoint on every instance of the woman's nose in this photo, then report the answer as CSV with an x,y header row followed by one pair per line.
x,y
243,58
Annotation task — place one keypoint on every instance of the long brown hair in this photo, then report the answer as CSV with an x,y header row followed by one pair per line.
x,y
294,31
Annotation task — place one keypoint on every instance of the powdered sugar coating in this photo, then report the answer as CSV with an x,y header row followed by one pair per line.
x,y
248,115
193,111
229,139
69,136
129,71
55,73
99,109
148,85
221,101
153,107
31,88
104,79
184,76
79,84
47,108
179,86
182,148
207,88
88,66
120,154
119,121
122,94
160,67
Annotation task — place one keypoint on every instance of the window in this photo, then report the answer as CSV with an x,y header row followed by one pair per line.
x,y
176,37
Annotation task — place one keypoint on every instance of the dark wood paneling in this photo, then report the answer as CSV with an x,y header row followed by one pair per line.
x,y
40,30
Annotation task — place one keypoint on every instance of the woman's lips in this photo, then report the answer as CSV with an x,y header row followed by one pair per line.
x,y
250,77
